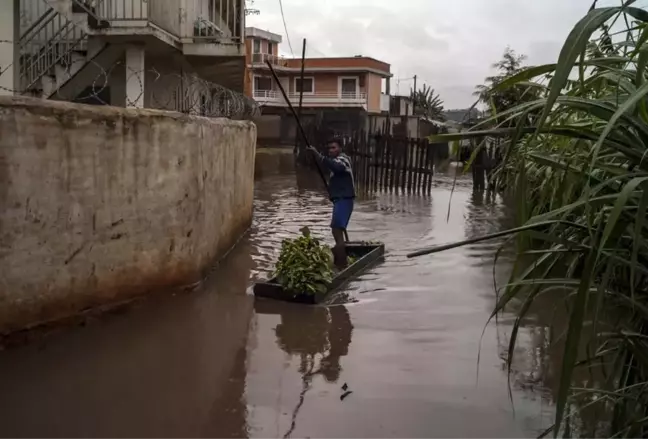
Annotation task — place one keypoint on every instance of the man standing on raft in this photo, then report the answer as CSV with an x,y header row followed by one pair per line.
x,y
342,193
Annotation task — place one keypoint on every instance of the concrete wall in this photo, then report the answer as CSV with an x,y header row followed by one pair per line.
x,y
166,14
101,203
324,83
374,87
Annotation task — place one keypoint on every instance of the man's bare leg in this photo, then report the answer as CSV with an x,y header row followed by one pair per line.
x,y
339,251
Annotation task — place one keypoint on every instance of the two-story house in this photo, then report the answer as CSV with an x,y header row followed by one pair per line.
x,y
341,93
121,52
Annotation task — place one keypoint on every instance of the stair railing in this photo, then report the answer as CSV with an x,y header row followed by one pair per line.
x,y
49,41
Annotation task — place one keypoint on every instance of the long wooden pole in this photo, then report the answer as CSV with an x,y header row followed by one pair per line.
x,y
301,89
297,120
301,130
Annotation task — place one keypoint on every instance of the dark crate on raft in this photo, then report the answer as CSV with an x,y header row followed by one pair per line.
x,y
365,254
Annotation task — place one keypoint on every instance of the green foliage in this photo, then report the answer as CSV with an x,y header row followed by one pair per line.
x,y
304,266
575,157
428,103
501,99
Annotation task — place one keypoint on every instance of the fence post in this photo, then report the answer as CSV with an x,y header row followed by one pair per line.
x,y
402,159
410,166
374,161
365,158
426,166
418,166
430,165
383,163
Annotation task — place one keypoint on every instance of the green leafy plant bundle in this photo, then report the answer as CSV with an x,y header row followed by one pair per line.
x,y
304,266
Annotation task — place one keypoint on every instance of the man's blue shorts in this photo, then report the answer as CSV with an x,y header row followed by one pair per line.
x,y
342,209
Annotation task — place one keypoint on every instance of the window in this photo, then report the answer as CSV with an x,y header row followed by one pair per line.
x,y
348,87
270,47
309,86
257,46
262,83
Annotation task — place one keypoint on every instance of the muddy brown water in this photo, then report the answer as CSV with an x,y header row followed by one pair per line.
x,y
394,355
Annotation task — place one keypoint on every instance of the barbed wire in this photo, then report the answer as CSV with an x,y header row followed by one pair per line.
x,y
180,91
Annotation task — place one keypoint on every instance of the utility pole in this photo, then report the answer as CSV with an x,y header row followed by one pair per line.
x,y
414,100
414,111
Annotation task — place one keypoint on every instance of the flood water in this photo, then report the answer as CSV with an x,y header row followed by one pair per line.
x,y
403,338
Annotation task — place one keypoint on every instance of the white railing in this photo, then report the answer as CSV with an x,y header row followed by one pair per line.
x,y
274,97
47,38
261,58
211,21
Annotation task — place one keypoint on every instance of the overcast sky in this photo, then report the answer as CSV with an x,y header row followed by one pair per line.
x,y
449,44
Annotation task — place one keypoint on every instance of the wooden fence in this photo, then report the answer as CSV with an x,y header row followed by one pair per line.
x,y
391,164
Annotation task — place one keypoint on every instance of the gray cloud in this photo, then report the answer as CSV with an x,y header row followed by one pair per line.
x,y
449,44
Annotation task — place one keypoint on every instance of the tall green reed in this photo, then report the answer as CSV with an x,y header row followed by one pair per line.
x,y
577,160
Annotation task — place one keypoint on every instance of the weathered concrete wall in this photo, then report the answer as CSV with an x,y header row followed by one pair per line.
x,y
98,204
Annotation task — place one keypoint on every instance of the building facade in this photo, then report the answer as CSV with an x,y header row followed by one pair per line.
x,y
339,93
133,53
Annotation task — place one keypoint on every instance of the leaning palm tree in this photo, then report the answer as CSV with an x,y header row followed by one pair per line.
x,y
576,160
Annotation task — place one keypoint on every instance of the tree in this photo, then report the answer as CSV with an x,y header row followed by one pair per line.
x,y
501,100
427,103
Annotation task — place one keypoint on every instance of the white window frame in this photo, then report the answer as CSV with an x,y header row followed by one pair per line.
x,y
254,89
312,78
254,43
357,80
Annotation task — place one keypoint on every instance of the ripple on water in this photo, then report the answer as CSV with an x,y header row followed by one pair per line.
x,y
402,222
425,314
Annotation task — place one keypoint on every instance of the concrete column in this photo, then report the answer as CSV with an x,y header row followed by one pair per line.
x,y
135,76
8,39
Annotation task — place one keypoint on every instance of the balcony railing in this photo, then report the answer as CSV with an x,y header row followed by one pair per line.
x,y
261,58
274,97
214,21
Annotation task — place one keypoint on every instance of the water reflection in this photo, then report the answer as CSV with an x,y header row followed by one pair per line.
x,y
172,366
318,330
318,336
536,359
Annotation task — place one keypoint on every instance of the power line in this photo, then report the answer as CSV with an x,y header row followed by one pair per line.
x,y
283,17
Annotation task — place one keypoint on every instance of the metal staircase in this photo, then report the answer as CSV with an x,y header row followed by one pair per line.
x,y
54,43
